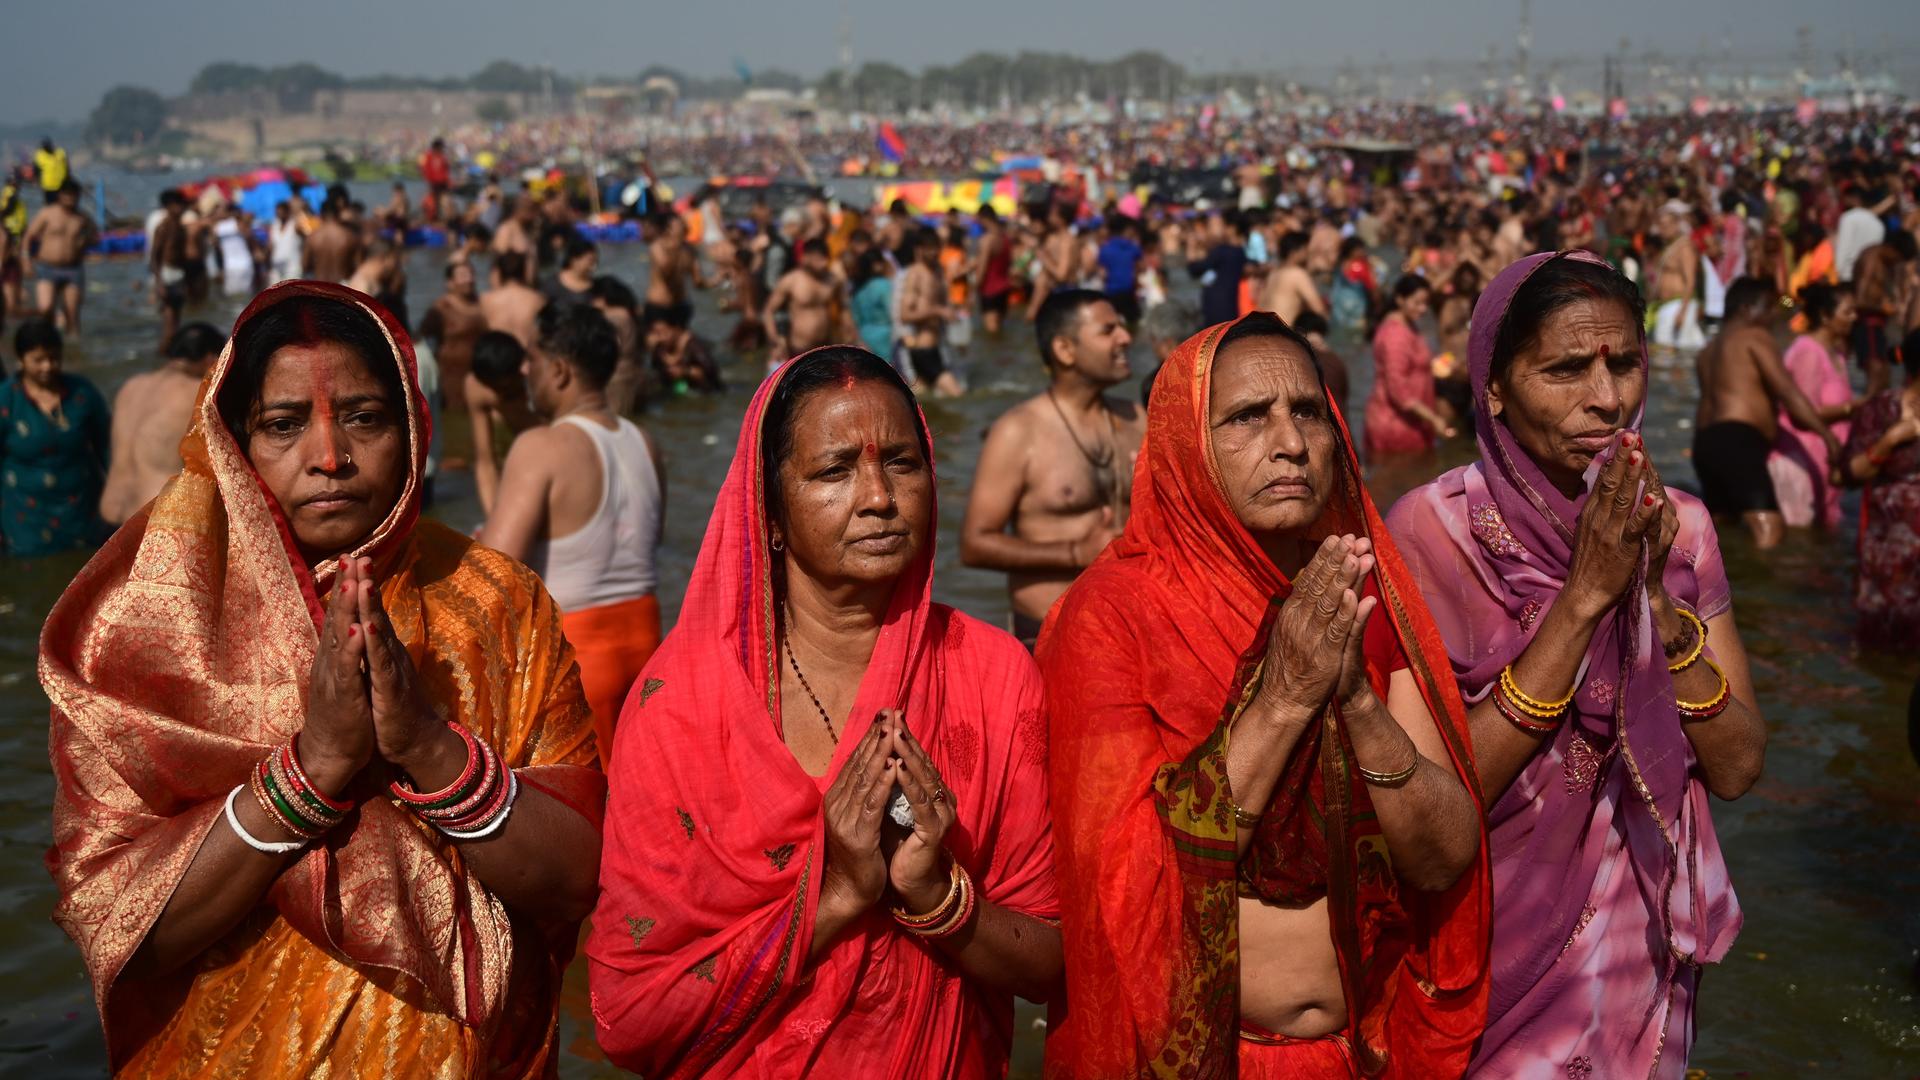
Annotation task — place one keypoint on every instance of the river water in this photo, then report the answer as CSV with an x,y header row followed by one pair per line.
x,y
1825,852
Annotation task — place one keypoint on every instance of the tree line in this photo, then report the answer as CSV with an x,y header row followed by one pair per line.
x,y
131,115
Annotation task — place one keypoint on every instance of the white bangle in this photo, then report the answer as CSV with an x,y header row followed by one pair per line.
x,y
491,827
269,847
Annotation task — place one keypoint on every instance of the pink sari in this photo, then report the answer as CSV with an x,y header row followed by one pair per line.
x,y
1798,461
715,839
1609,889
1402,376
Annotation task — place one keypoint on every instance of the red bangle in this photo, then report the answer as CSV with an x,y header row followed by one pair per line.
x,y
290,761
452,791
494,805
481,795
1514,716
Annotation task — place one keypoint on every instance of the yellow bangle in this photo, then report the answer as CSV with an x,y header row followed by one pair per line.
x,y
1545,710
1699,642
1713,706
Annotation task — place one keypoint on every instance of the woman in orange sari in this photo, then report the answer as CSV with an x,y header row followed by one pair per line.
x,y
326,798
1268,838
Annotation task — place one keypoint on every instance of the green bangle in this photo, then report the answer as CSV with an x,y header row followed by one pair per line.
x,y
286,808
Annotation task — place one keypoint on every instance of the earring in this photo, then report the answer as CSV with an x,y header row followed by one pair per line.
x,y
778,545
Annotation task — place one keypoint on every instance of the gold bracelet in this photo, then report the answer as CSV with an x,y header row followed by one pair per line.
x,y
1392,779
1544,710
1713,706
941,911
1699,642
1242,818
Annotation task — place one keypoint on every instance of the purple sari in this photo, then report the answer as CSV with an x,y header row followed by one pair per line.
x,y
1609,890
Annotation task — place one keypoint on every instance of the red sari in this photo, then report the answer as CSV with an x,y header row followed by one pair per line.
x,y
715,837
1147,659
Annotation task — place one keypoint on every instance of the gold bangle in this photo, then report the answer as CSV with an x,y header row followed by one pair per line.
x,y
1392,779
1712,705
1544,710
1699,642
941,911
1243,818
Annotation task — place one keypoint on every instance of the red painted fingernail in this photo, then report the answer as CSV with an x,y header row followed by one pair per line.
x,y
1650,500
1634,457
353,629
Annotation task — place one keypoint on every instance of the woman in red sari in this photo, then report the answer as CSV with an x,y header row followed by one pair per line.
x,y
1269,846
761,913
257,684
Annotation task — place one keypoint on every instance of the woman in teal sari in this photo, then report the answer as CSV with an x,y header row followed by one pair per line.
x,y
53,451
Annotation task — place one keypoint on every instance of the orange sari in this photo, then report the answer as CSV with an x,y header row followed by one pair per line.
x,y
1147,660
177,659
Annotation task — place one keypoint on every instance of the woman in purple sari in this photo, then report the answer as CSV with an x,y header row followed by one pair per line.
x,y
1586,612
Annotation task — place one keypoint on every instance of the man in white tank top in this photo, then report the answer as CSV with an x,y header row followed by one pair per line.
x,y
580,502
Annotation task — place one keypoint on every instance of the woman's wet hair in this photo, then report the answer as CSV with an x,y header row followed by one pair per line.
x,y
1819,301
302,320
194,342
1556,283
37,334
836,367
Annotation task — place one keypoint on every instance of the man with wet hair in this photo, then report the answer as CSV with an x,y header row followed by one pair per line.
x,y
151,413
1744,386
1054,479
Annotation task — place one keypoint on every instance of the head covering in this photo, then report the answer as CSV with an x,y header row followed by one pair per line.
x,y
1146,660
180,656
714,853
1492,544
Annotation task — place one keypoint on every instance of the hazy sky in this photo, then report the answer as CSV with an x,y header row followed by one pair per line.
x,y
62,55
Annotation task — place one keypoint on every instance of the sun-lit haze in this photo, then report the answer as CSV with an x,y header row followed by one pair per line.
x,y
58,71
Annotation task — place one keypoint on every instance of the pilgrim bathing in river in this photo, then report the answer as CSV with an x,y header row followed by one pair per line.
x,y
1287,789
385,751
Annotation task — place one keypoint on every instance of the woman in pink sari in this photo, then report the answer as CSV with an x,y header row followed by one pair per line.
x,y
1402,416
1588,618
761,913
1817,361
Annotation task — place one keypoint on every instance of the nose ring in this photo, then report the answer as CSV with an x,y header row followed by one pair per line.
x,y
348,458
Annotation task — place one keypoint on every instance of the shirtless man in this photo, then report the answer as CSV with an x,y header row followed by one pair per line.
x,y
1878,293
398,211
1676,277
515,236
150,414
456,321
334,250
512,305
1057,469
167,258
683,360
1289,289
809,294
924,312
1323,247
611,297
1743,387
1510,239
58,238
673,269
1058,265
496,394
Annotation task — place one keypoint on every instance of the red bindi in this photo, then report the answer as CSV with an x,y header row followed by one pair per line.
x,y
872,450
1605,351
321,387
